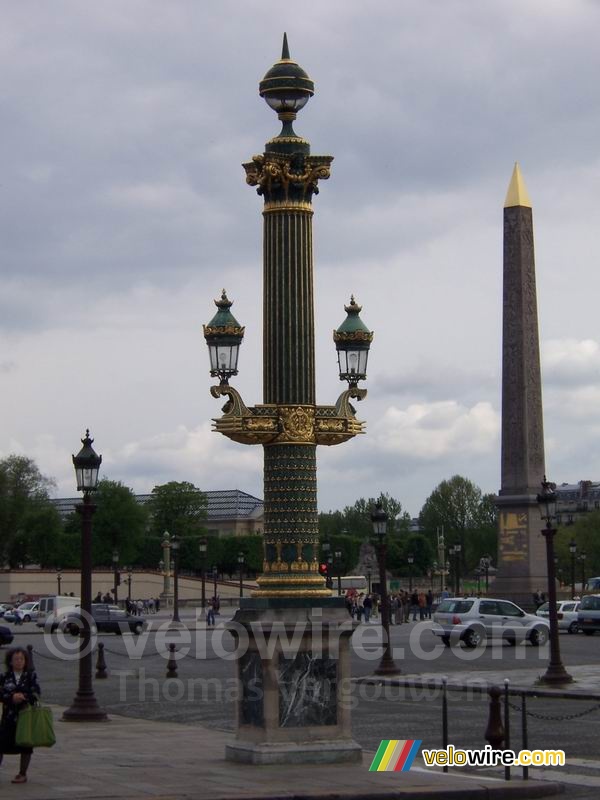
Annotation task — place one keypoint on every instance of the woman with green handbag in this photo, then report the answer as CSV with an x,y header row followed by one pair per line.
x,y
18,687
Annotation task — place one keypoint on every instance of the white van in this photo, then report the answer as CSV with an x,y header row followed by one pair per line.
x,y
52,610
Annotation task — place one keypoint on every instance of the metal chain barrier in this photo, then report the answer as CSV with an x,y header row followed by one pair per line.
x,y
557,717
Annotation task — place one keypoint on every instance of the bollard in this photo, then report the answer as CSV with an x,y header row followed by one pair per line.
x,y
525,738
506,726
172,663
101,671
30,657
494,733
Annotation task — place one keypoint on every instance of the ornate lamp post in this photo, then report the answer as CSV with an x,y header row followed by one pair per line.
x,y
215,572
484,563
289,424
387,665
129,582
411,560
555,673
166,595
573,552
175,549
338,565
241,560
203,548
116,576
369,577
58,578
457,552
582,558
84,707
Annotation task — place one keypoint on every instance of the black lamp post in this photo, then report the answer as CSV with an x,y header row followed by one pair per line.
x,y
326,550
116,576
573,552
84,707
241,566
457,551
555,673
411,560
379,519
129,578
58,578
485,563
175,549
215,576
203,548
329,582
338,564
369,576
452,562
582,558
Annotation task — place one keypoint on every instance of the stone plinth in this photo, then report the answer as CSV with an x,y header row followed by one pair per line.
x,y
294,674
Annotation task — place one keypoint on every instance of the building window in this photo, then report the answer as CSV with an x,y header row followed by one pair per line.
x,y
558,519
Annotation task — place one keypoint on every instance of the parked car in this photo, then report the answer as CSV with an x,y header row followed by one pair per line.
x,y
566,611
6,636
473,619
26,612
3,609
107,619
588,616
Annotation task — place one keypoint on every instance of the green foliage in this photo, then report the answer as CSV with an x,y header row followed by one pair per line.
x,y
467,517
586,534
355,520
119,523
23,504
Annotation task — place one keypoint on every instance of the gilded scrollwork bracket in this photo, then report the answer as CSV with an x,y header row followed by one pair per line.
x,y
288,424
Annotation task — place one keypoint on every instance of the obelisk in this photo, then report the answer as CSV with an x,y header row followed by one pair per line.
x,y
521,551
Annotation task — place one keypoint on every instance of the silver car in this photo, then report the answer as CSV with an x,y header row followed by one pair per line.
x,y
472,620
566,610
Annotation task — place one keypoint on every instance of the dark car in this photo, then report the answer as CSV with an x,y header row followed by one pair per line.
x,y
6,636
588,616
107,619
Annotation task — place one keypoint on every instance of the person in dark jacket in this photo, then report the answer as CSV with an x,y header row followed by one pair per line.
x,y
18,687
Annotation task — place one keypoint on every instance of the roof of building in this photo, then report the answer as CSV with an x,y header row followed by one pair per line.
x,y
222,504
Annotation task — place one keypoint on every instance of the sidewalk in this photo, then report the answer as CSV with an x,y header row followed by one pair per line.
x,y
585,684
135,759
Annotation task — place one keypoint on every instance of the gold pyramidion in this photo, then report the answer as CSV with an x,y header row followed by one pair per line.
x,y
517,194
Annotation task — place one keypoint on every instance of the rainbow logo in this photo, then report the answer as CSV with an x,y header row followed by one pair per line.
x,y
395,755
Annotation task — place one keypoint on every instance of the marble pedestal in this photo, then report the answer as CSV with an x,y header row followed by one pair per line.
x,y
294,672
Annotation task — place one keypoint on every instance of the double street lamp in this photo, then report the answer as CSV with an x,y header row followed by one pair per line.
x,y
573,552
379,518
555,673
175,548
84,707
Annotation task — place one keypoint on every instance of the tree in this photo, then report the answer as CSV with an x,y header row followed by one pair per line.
x,y
180,509
586,534
23,489
355,520
120,523
466,516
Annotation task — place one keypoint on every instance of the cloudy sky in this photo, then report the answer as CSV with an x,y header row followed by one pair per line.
x,y
124,211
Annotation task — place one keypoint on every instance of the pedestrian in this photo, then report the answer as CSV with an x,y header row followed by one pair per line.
x,y
406,605
393,609
157,604
98,598
367,607
445,594
414,605
18,687
429,604
537,600
422,605
210,615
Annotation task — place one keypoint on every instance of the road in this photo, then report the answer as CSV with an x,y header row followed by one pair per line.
x,y
207,689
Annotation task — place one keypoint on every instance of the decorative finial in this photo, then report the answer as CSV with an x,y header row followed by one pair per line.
x,y
285,50
224,302
517,194
353,308
87,439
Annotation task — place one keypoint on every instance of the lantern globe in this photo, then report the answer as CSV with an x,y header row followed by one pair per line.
x,y
223,336
352,342
87,465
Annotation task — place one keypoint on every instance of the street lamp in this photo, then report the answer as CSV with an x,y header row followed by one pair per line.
x,y
215,601
379,519
85,707
129,579
326,549
241,566
485,563
338,563
117,577
203,548
582,558
457,551
411,560
369,576
223,336
573,552
555,673
175,549
58,578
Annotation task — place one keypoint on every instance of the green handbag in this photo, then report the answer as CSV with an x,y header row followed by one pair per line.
x,y
35,727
